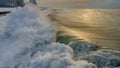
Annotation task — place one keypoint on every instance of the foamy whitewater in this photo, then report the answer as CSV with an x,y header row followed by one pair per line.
x,y
27,41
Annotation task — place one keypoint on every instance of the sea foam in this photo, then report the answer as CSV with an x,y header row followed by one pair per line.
x,y
27,41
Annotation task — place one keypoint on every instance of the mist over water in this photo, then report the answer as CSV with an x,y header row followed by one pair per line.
x,y
99,26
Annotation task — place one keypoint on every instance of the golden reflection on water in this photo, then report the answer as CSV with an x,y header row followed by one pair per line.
x,y
87,14
97,26
73,32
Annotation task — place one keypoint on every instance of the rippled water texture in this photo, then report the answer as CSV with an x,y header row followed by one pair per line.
x,y
100,26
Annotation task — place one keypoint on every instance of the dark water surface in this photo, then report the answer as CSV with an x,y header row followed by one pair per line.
x,y
100,26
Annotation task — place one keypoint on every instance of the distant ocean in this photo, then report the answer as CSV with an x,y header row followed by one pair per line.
x,y
99,26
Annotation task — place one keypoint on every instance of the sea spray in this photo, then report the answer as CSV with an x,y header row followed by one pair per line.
x,y
27,41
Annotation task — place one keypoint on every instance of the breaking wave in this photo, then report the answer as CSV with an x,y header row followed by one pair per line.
x,y
27,41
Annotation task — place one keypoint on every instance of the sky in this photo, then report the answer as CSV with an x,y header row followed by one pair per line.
x,y
79,3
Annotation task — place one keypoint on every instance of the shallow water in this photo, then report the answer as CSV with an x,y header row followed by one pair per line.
x,y
100,26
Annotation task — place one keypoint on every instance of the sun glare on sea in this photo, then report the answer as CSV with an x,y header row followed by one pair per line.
x,y
87,14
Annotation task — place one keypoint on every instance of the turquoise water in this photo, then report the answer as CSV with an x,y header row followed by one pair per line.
x,y
99,26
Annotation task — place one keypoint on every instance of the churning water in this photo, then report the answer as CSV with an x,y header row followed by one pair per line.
x,y
27,39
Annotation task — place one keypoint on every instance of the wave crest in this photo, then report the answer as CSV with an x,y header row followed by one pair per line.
x,y
28,42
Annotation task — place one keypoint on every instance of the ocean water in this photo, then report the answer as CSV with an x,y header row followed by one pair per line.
x,y
99,26
27,41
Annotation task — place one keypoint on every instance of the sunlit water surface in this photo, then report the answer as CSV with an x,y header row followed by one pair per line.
x,y
100,26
